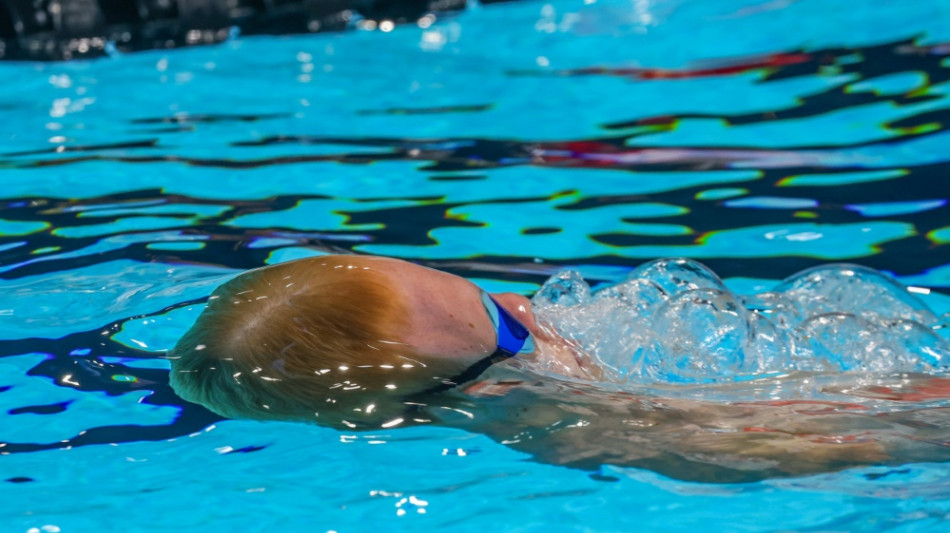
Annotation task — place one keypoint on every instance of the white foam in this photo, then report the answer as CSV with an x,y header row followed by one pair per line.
x,y
674,321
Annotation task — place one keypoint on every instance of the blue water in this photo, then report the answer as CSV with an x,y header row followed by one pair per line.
x,y
501,144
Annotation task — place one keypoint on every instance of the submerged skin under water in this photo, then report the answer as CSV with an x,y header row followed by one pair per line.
x,y
838,366
585,426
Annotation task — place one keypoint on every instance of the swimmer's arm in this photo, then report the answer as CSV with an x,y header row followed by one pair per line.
x,y
698,454
931,388
690,441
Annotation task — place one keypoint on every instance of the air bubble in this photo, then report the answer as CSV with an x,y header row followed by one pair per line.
x,y
566,288
673,321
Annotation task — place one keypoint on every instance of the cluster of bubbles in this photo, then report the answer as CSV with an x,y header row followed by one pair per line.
x,y
674,321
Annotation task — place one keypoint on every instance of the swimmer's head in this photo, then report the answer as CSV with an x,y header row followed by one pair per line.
x,y
343,341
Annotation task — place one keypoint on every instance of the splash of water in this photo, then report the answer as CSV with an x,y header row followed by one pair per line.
x,y
674,321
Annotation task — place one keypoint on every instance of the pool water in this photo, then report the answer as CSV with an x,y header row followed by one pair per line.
x,y
503,144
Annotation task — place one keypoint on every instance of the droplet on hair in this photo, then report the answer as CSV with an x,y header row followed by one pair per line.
x,y
386,366
348,424
390,386
415,362
200,347
265,406
370,408
321,371
407,365
344,368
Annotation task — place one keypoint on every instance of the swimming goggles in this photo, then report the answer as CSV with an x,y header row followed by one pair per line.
x,y
511,339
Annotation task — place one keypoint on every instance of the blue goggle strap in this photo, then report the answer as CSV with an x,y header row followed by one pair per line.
x,y
513,337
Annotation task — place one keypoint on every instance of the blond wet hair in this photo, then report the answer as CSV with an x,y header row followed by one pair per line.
x,y
315,340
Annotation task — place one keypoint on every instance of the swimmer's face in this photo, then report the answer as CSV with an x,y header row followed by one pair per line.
x,y
447,318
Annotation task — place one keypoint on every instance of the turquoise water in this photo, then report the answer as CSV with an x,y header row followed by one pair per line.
x,y
501,144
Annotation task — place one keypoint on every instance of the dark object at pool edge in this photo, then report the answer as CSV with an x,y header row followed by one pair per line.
x,y
70,29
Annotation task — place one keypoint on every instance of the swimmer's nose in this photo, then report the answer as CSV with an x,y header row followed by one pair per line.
x,y
519,307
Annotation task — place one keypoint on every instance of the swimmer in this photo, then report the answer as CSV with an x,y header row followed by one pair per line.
x,y
339,340
359,342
